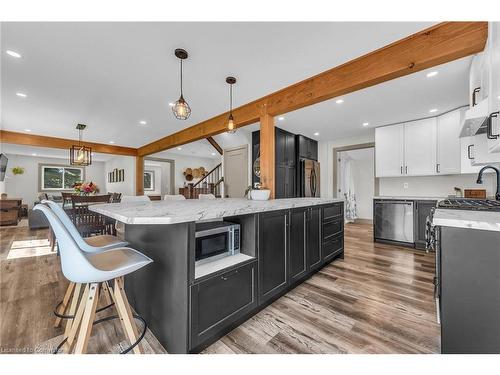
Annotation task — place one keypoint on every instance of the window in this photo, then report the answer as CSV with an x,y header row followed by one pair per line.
x,y
149,180
58,177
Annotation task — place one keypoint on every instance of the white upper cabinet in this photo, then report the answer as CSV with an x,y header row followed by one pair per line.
x,y
493,48
389,151
420,147
449,126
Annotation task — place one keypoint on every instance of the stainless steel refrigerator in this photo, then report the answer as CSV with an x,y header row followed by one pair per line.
x,y
308,178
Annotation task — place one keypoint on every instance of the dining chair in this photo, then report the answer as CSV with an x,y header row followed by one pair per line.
x,y
93,271
174,197
206,196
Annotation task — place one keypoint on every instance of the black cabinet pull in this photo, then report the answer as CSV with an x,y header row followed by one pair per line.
x,y
437,168
474,93
469,153
489,125
406,170
401,169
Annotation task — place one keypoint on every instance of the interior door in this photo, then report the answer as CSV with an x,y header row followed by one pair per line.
x,y
420,147
236,171
389,151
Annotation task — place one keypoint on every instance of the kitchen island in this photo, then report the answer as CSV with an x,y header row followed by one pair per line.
x,y
189,305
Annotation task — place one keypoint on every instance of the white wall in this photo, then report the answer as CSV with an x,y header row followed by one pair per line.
x,y
363,172
325,158
26,185
127,187
438,186
183,162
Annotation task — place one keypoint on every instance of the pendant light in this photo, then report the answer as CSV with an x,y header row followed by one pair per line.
x,y
80,155
231,128
181,108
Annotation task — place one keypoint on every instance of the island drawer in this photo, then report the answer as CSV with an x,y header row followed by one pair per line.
x,y
332,227
221,300
332,211
333,247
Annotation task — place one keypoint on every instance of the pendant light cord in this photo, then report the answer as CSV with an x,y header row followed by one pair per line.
x,y
230,99
181,77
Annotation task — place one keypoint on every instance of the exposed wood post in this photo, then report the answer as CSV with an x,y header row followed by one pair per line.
x,y
139,175
267,154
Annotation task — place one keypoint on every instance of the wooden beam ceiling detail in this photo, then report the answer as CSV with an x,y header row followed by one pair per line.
x,y
436,45
214,143
51,142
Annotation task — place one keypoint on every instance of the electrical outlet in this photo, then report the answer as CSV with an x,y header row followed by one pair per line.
x,y
405,185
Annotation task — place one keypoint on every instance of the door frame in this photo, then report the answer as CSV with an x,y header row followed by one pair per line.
x,y
336,151
172,169
245,147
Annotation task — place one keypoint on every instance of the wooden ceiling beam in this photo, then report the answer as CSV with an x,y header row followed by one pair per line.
x,y
215,145
439,44
52,142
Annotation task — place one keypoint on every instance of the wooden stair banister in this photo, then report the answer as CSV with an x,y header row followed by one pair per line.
x,y
209,184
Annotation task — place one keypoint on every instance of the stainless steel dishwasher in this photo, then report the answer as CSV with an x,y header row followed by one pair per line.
x,y
394,221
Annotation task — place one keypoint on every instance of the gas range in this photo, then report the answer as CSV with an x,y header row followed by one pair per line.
x,y
470,204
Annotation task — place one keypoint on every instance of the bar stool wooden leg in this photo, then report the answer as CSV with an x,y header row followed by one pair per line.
x,y
63,307
125,313
77,319
87,319
106,293
72,308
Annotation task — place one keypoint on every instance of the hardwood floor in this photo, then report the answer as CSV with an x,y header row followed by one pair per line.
x,y
379,299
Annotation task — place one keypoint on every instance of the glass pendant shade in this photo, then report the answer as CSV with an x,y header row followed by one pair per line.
x,y
231,128
79,154
181,109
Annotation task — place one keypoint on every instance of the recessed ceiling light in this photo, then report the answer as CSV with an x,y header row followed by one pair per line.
x,y
213,153
171,104
316,134
366,123
339,101
33,154
111,142
20,94
433,110
13,53
179,148
281,118
142,122
27,130
432,74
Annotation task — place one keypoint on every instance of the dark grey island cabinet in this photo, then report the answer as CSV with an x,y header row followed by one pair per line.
x,y
187,311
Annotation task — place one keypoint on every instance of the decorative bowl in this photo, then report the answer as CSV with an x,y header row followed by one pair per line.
x,y
260,195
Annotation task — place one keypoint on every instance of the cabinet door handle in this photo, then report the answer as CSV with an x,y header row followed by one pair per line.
x,y
406,169
489,125
474,93
401,169
469,155
437,168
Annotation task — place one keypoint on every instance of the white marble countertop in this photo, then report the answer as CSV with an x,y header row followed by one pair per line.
x,y
480,220
412,198
172,212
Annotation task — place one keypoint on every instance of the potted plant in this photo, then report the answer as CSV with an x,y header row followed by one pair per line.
x,y
17,171
85,188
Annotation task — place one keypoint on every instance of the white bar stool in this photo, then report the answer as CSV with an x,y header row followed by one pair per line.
x,y
94,269
95,244
174,197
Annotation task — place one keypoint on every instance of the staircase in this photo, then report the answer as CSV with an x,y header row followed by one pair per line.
x,y
210,184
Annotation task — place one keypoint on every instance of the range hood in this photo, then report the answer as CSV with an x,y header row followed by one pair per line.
x,y
475,119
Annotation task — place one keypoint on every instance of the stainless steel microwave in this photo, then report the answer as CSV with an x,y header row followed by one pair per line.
x,y
216,240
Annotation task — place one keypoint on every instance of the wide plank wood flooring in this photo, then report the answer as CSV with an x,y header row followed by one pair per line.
x,y
379,299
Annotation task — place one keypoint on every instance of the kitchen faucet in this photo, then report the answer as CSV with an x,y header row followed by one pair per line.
x,y
480,179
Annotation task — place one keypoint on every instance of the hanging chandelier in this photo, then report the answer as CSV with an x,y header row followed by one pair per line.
x,y
80,155
231,128
181,108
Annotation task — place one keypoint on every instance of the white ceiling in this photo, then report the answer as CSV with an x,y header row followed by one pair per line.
x,y
112,75
43,152
406,98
